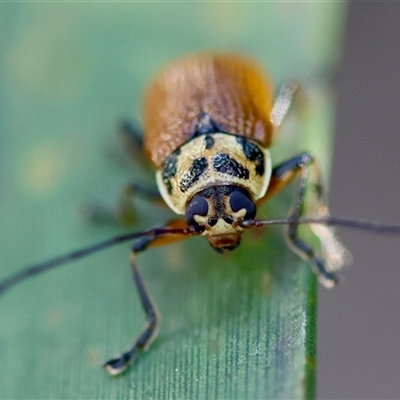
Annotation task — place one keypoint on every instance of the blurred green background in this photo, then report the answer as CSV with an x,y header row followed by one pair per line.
x,y
235,326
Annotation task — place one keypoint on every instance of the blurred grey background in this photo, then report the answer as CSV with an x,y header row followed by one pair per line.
x,y
359,322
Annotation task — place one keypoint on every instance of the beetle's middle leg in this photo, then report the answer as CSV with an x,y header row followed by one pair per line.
x,y
132,139
125,213
335,254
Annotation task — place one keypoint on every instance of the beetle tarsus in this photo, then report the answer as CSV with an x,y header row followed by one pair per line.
x,y
117,366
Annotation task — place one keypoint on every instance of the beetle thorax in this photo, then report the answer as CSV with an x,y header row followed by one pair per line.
x,y
213,160
215,179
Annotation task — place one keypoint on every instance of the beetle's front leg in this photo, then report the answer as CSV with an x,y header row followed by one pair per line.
x,y
120,364
335,254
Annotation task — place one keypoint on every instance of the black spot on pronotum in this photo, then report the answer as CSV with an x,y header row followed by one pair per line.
x,y
170,168
252,153
209,142
195,171
205,124
225,164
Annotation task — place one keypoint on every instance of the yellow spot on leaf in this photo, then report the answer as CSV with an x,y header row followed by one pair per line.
x,y
93,356
174,255
43,168
266,283
53,318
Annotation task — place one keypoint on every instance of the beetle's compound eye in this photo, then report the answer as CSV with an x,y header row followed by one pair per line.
x,y
239,200
197,206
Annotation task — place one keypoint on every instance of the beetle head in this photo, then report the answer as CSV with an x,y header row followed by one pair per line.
x,y
219,210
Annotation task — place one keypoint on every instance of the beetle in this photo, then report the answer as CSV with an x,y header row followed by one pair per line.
x,y
209,120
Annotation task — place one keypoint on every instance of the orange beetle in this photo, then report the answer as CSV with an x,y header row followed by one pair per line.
x,y
209,120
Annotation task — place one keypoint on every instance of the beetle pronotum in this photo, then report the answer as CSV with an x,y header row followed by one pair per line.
x,y
209,120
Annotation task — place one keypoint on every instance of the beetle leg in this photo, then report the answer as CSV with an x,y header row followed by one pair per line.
x,y
132,139
125,213
117,365
335,254
283,102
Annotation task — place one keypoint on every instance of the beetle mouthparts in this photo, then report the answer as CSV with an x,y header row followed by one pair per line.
x,y
223,243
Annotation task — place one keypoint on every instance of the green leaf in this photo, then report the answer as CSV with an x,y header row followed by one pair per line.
x,y
241,325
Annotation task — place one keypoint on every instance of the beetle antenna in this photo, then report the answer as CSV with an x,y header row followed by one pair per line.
x,y
86,251
36,269
330,221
